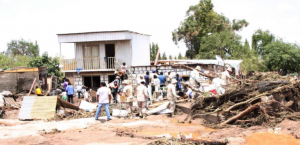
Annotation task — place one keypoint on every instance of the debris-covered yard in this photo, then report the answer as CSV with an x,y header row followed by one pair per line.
x,y
262,109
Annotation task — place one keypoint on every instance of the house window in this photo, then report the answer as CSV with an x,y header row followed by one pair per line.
x,y
91,57
91,81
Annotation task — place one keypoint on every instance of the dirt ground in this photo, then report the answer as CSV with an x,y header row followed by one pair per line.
x,y
138,131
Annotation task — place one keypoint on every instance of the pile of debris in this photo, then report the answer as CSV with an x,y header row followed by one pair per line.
x,y
72,114
265,99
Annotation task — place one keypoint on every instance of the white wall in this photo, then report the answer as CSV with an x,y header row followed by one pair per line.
x,y
140,50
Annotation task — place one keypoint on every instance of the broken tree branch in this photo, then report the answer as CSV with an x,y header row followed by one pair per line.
x,y
242,103
241,115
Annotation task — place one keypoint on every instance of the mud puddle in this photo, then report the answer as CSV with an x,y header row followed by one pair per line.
x,y
267,138
175,128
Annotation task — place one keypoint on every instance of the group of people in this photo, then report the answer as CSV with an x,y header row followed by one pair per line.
x,y
158,80
217,85
69,92
142,93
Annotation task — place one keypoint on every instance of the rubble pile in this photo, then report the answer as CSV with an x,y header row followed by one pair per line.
x,y
68,115
265,99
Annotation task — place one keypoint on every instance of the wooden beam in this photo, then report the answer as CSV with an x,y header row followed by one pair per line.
x,y
22,70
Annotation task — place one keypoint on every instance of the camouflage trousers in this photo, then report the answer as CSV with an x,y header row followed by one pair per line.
x,y
172,103
142,106
129,107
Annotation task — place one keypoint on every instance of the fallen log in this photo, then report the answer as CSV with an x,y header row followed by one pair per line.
x,y
242,103
65,104
241,114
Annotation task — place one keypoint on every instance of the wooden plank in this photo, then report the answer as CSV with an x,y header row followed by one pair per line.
x,y
65,104
22,70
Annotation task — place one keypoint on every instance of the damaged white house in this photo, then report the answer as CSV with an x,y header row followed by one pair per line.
x,y
97,54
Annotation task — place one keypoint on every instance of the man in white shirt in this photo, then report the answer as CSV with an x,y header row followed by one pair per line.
x,y
171,94
79,90
142,97
141,78
195,77
127,90
103,93
225,76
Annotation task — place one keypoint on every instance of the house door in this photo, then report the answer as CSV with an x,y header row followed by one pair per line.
x,y
91,57
110,56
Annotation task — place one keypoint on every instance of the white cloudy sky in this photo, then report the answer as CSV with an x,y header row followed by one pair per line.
x,y
41,20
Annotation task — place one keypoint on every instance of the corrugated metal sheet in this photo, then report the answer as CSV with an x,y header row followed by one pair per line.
x,y
25,111
44,107
38,107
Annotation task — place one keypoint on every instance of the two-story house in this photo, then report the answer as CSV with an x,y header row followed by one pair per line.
x,y
98,54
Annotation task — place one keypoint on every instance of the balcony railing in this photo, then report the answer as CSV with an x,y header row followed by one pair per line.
x,y
88,63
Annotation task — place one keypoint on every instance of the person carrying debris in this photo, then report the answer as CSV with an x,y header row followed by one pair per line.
x,y
127,90
142,97
103,93
195,78
169,77
171,94
225,77
38,91
114,90
79,90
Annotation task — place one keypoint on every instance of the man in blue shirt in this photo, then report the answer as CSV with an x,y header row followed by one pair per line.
x,y
147,77
178,84
70,92
162,79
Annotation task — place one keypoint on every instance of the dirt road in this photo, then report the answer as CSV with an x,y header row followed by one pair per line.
x,y
137,131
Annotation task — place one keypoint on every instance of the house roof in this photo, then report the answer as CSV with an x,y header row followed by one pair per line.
x,y
103,32
98,36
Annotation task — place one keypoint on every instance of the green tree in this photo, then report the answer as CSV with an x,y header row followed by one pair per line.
x,y
201,20
179,56
22,47
164,56
175,58
280,55
52,64
153,51
170,57
260,39
13,61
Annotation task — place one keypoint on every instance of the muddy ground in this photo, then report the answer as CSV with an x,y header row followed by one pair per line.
x,y
139,131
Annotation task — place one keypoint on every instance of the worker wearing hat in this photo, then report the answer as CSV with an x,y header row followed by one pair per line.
x,y
142,97
195,77
127,90
226,76
169,77
171,94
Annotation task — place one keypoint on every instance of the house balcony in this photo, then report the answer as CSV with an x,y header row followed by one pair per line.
x,y
86,64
